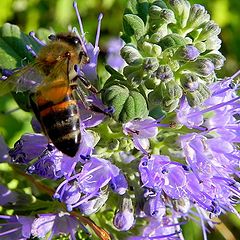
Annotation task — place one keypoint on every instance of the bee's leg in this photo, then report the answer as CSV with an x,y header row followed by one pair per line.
x,y
88,85
10,111
84,80
78,94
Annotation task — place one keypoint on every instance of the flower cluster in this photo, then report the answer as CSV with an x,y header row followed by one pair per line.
x,y
158,148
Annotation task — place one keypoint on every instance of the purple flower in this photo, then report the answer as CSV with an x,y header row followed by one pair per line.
x,y
81,187
141,131
119,184
114,58
213,164
15,227
89,69
48,164
166,228
187,53
124,218
4,156
93,205
154,207
28,147
7,196
54,225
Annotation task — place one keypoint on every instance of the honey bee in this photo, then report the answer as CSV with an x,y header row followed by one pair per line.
x,y
52,96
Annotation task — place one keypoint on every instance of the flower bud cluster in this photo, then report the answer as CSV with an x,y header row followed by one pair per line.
x,y
174,51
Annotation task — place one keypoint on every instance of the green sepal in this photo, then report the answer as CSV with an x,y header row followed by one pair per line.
x,y
134,74
13,52
115,74
131,54
128,103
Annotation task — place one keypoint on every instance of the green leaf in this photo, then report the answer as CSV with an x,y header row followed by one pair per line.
x,y
138,7
13,51
128,104
133,25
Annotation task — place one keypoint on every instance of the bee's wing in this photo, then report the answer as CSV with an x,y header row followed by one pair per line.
x,y
55,86
24,79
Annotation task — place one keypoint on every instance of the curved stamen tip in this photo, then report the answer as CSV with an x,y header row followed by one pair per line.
x,y
69,208
74,4
32,34
100,16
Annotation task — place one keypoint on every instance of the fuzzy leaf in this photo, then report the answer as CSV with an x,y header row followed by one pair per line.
x,y
133,25
128,104
13,51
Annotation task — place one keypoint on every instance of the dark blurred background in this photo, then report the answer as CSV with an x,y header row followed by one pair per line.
x,y
58,15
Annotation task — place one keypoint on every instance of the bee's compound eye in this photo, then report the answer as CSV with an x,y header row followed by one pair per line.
x,y
52,37
76,40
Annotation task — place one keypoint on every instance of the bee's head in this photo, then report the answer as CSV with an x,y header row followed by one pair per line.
x,y
72,40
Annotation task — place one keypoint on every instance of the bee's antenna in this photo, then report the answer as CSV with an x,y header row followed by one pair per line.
x,y
32,34
52,37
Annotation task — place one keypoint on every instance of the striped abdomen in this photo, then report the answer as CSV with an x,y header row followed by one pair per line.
x,y
61,122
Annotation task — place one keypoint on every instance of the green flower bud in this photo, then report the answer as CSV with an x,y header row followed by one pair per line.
x,y
181,9
197,97
167,16
213,43
149,49
154,12
172,40
171,90
131,55
126,144
113,145
187,53
165,93
201,46
134,74
217,59
190,81
150,64
197,16
160,3
152,82
210,29
170,105
164,73
202,67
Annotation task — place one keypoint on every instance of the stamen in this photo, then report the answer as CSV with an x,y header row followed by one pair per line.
x,y
32,34
29,48
10,231
82,36
91,195
98,30
168,236
235,74
202,224
79,20
214,107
